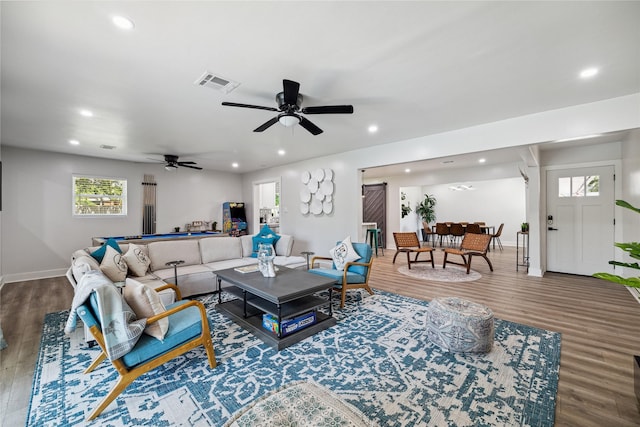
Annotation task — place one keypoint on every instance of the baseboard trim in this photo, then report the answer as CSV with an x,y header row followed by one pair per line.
x,y
34,275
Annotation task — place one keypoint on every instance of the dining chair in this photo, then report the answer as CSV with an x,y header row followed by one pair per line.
x,y
428,233
473,228
457,231
496,237
442,231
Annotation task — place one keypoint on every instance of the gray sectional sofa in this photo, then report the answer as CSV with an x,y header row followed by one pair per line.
x,y
202,258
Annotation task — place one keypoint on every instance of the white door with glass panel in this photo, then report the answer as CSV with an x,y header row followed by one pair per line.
x,y
580,220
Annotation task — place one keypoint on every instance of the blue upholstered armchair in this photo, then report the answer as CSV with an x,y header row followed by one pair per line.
x,y
355,274
188,329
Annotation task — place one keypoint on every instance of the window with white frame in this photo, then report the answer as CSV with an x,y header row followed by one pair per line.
x,y
98,196
579,186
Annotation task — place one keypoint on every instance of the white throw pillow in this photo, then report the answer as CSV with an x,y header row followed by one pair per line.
x,y
137,260
145,302
344,253
113,266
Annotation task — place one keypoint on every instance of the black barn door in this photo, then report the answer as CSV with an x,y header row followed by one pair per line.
x,y
374,207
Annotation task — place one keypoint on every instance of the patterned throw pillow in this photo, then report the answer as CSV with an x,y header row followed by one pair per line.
x,y
137,260
145,302
344,253
267,236
113,266
99,253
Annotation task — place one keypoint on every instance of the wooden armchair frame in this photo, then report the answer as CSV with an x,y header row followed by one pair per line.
x,y
344,286
407,242
472,245
128,375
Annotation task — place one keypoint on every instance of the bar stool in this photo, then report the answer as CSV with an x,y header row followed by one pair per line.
x,y
375,235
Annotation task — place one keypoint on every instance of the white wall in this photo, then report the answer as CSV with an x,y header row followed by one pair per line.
x,y
493,202
39,232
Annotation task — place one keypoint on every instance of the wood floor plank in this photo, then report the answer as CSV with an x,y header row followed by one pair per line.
x,y
598,322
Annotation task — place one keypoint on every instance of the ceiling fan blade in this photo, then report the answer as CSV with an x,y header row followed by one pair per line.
x,y
186,163
315,130
266,125
189,166
291,90
257,107
329,109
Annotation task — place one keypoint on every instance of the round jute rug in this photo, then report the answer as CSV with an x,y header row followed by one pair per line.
x,y
439,274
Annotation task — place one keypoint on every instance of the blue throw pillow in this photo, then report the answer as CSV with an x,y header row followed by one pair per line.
x,y
98,254
267,236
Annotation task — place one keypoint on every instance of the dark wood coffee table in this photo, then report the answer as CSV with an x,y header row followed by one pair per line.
x,y
285,296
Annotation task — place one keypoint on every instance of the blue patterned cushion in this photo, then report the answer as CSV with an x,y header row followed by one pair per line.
x,y
99,253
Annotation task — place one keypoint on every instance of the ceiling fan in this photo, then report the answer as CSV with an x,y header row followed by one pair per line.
x,y
172,163
289,102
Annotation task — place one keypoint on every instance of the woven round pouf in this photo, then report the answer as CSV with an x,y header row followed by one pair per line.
x,y
459,325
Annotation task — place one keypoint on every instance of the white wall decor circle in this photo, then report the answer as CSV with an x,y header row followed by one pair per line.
x,y
312,185
316,207
316,196
328,175
305,195
326,187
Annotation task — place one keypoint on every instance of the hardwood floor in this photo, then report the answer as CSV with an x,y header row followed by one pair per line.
x,y
599,322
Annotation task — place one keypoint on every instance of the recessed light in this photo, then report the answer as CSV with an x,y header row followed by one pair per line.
x,y
482,160
234,165
373,129
74,142
123,22
407,170
86,113
588,72
281,152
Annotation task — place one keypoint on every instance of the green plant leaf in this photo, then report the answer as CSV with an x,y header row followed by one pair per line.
x,y
633,282
625,264
624,204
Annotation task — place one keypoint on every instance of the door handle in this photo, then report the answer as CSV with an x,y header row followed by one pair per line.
x,y
552,229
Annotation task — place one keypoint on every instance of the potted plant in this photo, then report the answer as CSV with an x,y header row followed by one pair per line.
x,y
405,209
524,227
425,208
633,249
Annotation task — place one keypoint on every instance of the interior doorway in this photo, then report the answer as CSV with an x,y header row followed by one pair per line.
x,y
580,219
266,205
374,207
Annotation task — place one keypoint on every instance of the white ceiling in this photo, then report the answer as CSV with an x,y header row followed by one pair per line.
x,y
412,68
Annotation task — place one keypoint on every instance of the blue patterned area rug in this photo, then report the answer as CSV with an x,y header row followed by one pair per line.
x,y
377,358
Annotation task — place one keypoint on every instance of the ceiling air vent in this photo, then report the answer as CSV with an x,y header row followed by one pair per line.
x,y
216,82
107,147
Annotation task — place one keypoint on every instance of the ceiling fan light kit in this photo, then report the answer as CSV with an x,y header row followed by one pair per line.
x,y
172,163
289,102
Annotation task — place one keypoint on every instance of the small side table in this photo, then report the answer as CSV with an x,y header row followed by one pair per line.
x,y
524,236
307,254
175,265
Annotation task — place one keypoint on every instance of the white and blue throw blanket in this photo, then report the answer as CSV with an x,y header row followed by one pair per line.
x,y
118,322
